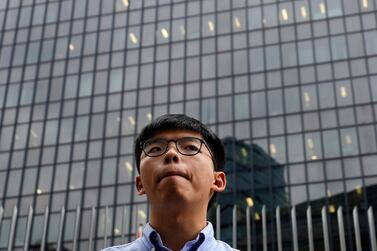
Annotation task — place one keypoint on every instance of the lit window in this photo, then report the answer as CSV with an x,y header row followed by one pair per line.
x,y
133,38
116,231
303,12
149,116
142,214
131,120
249,201
322,8
307,99
343,91
365,4
244,152
211,27
128,166
332,209
257,216
272,149
329,193
348,139
359,189
164,33
34,134
237,22
284,14
310,143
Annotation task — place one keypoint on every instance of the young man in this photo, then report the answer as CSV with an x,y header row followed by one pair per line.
x,y
180,163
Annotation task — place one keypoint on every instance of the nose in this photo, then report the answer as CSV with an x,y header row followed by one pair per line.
x,y
172,154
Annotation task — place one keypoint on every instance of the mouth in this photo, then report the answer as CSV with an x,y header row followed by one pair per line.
x,y
172,174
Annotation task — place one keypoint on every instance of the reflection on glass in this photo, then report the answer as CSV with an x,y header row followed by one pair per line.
x,y
307,99
237,23
131,120
365,4
128,166
71,47
332,209
211,26
284,14
182,29
304,14
358,189
142,214
272,149
133,38
149,116
164,33
249,202
322,8
343,92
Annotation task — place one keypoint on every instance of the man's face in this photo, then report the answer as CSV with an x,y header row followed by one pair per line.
x,y
173,177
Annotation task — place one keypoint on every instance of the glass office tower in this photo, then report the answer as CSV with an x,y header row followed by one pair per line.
x,y
291,83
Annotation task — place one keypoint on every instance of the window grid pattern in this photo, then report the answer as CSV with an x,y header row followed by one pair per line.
x,y
78,81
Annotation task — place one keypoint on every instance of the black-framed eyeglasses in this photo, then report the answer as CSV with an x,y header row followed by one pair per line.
x,y
188,146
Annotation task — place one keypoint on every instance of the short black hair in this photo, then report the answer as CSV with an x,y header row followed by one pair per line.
x,y
181,121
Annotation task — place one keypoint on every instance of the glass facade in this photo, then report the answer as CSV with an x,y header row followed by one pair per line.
x,y
291,87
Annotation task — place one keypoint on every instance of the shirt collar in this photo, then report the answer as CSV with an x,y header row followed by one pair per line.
x,y
205,236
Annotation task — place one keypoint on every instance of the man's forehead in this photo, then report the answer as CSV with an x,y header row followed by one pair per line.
x,y
175,133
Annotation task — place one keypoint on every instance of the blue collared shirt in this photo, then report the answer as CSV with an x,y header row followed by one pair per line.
x,y
151,240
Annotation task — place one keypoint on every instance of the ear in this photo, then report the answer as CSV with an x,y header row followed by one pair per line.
x,y
219,182
139,185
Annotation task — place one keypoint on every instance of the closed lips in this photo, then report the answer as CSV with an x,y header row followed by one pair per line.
x,y
172,173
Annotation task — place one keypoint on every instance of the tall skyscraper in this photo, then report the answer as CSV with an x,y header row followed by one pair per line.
x,y
295,81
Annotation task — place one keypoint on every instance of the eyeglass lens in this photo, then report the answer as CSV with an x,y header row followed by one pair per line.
x,y
186,146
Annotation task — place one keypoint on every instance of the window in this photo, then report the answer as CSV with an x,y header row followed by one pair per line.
x,y
338,47
313,146
292,99
256,59
289,54
258,104
370,41
275,102
208,110
240,61
272,57
349,141
225,106
241,106
331,143
295,148
305,52
116,80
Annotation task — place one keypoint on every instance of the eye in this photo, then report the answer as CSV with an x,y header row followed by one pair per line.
x,y
153,149
191,147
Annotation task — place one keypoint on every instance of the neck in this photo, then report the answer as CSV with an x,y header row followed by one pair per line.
x,y
177,225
